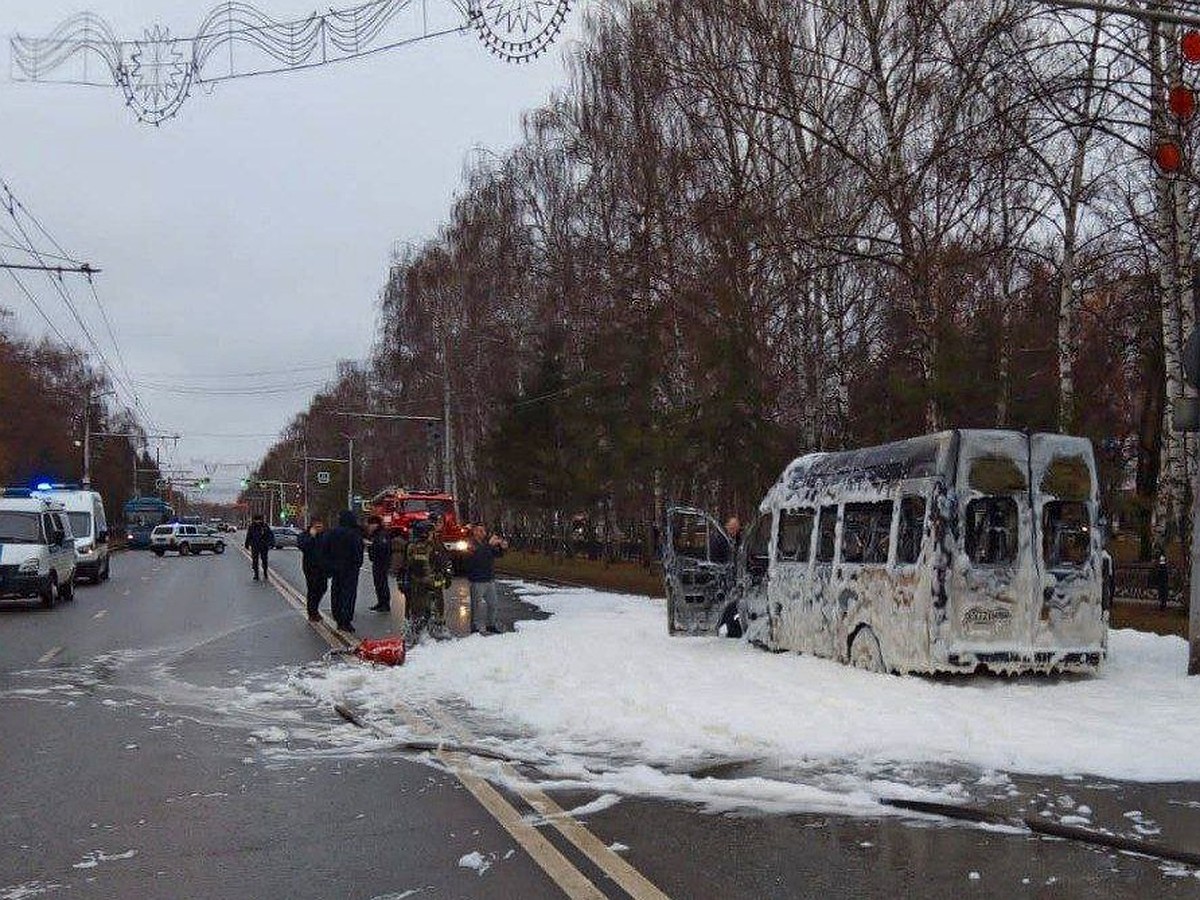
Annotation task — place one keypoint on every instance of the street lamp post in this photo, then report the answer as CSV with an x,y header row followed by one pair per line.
x,y
87,434
350,474
447,446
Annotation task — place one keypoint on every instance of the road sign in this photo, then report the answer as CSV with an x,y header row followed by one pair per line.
x,y
1185,414
322,478
1191,358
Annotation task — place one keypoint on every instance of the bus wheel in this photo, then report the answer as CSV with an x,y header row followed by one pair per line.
x,y
864,651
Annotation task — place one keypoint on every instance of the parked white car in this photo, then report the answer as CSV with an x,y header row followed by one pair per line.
x,y
37,549
185,539
85,510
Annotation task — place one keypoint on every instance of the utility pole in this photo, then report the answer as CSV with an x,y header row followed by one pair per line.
x,y
447,439
447,445
87,434
87,442
350,473
130,436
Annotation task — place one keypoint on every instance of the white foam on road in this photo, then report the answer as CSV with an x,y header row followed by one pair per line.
x,y
601,679
477,861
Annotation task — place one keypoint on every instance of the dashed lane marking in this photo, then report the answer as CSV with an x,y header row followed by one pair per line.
x,y
49,655
569,879
101,614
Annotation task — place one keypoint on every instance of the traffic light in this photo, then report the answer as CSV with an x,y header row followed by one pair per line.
x,y
1181,105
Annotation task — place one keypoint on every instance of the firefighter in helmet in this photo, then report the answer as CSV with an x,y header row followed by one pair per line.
x,y
425,565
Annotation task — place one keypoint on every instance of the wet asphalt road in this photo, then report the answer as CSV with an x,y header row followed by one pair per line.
x,y
126,770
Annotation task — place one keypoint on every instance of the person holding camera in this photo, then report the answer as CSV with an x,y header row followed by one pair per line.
x,y
481,575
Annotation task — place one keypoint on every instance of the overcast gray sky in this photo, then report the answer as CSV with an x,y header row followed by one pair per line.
x,y
253,231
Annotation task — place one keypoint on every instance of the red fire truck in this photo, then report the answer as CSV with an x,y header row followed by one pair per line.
x,y
399,507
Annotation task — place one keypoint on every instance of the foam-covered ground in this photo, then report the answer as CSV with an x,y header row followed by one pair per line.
x,y
624,707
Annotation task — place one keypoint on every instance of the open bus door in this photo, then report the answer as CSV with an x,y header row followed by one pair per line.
x,y
698,562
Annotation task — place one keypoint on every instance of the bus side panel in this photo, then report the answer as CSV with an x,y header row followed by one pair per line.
x,y
906,606
892,599
790,598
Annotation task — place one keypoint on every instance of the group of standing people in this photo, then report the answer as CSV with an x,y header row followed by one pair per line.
x,y
418,562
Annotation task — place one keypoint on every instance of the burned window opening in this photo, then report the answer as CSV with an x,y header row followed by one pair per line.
x,y
1066,534
795,535
866,532
911,531
758,546
997,475
992,531
827,534
1068,478
690,537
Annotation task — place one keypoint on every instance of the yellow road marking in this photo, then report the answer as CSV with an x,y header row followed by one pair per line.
x,y
572,882
608,860
336,639
49,655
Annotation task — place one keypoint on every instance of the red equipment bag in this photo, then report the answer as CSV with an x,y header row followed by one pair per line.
x,y
388,651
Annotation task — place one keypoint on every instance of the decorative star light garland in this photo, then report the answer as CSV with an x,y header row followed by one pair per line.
x,y
156,73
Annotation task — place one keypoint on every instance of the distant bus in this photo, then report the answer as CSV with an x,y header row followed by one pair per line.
x,y
943,553
142,515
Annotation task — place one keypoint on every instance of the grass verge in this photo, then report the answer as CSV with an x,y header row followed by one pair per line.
x,y
1148,617
630,578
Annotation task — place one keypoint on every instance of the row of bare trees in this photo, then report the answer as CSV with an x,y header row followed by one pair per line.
x,y
46,391
746,230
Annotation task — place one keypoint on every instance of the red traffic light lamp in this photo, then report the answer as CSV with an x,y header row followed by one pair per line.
x,y
1189,46
1182,102
1168,157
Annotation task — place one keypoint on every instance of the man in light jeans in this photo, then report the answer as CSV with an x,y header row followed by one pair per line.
x,y
481,575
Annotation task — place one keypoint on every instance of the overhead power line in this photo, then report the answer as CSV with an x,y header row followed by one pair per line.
x,y
84,269
17,211
296,370
230,392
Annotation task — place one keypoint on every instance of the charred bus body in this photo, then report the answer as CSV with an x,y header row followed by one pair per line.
x,y
941,553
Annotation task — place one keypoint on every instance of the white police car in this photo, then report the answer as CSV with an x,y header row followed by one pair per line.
x,y
37,548
184,539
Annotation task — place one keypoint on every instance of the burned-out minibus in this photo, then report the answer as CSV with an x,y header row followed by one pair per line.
x,y
951,552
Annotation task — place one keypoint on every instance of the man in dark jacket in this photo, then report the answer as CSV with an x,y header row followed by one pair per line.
x,y
259,541
379,551
481,574
343,557
316,579
1162,580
